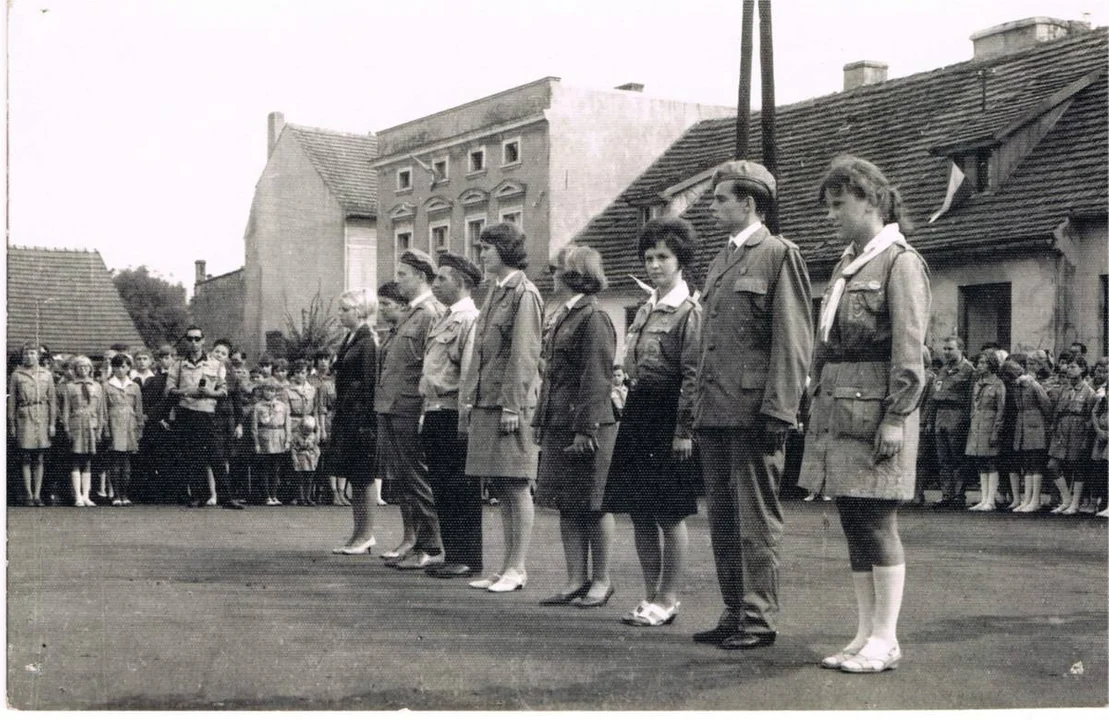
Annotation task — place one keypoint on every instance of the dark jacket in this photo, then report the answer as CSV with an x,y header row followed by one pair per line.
x,y
398,388
578,352
355,372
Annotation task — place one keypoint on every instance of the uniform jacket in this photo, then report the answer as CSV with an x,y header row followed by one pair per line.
x,y
756,335
398,385
303,401
987,416
1070,436
154,405
187,375
32,407
949,404
325,397
355,372
124,416
578,353
662,350
306,451
1033,416
447,354
83,415
508,338
271,425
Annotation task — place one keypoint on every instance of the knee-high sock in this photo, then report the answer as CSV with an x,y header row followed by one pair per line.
x,y
889,585
864,599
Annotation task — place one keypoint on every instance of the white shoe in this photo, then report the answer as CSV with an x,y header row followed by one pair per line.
x,y
510,581
810,497
485,583
362,549
79,502
89,503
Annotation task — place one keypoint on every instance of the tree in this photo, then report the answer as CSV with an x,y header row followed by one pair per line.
x,y
156,306
318,330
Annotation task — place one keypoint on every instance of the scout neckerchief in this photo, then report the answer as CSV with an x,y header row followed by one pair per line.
x,y
889,235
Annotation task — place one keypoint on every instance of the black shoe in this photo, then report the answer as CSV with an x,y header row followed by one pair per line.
x,y
744,640
714,636
234,505
451,570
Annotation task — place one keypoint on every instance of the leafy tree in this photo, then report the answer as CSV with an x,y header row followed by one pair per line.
x,y
318,330
155,305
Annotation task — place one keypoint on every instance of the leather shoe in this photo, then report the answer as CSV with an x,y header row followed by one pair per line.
x,y
419,561
453,570
743,640
566,598
585,601
714,636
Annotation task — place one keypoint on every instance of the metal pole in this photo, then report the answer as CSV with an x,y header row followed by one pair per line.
x,y
768,112
743,109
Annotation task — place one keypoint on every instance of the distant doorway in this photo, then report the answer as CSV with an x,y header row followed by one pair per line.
x,y
985,315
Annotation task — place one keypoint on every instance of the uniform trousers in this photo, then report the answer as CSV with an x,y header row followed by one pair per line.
x,y
457,497
404,454
950,446
745,524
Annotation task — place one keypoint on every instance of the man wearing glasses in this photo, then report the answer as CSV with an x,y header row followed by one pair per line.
x,y
194,384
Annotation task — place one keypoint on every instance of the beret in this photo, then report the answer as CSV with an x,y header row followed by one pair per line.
x,y
419,260
748,173
461,264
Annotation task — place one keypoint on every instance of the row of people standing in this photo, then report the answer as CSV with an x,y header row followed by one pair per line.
x,y
729,370
1015,416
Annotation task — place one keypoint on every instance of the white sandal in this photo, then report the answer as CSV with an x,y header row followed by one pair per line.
x,y
654,615
872,664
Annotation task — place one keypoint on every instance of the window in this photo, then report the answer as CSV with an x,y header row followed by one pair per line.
x,y
402,239
441,167
985,315
510,152
404,179
474,226
477,160
439,236
361,256
513,215
648,213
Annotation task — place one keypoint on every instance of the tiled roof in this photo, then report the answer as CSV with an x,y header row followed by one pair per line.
x,y
79,309
343,161
896,124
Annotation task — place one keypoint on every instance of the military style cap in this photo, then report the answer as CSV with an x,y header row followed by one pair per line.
x,y
461,264
747,173
419,260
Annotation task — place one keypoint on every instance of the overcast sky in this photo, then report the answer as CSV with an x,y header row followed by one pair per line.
x,y
138,128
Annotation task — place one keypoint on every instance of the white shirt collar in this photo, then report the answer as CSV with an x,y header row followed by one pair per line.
x,y
745,233
501,283
574,301
674,298
466,303
419,299
116,382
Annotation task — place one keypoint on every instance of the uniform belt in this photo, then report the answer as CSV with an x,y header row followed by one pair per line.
x,y
950,403
296,414
29,404
860,356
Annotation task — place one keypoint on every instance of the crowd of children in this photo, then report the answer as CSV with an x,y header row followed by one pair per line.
x,y
112,422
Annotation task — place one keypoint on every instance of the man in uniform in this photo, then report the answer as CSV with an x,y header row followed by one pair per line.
x,y
949,419
446,357
398,404
756,347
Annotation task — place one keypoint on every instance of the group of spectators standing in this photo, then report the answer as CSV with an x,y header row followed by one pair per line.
x,y
519,397
1018,418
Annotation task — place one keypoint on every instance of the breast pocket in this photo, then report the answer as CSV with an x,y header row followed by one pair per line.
x,y
753,291
866,300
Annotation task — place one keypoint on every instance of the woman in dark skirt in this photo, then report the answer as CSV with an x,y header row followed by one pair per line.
x,y
575,426
654,476
354,428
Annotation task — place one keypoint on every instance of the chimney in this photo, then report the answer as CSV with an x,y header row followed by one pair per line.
x,y
864,72
631,87
275,123
201,276
1020,35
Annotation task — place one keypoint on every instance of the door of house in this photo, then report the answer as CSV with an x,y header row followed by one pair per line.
x,y
985,315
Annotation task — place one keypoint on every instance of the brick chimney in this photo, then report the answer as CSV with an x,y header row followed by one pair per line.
x,y
1020,35
631,87
864,72
275,123
201,275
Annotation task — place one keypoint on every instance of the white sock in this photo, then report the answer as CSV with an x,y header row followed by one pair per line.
x,y
75,481
889,586
864,599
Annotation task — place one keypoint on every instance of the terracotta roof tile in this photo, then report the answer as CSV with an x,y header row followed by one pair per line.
x,y
343,161
896,124
78,308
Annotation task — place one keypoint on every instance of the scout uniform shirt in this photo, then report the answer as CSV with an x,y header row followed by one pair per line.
x,y
447,354
32,407
271,425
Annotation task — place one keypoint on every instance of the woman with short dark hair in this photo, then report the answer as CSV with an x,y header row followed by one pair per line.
x,y
575,426
654,476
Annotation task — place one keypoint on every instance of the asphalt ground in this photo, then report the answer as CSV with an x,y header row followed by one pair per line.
x,y
161,607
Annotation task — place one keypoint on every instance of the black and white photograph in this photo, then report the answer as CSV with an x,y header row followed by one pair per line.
x,y
367,355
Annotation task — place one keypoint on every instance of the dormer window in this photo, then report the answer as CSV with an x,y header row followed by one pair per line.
x,y
650,212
